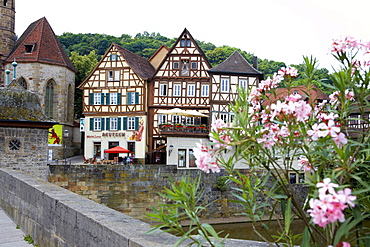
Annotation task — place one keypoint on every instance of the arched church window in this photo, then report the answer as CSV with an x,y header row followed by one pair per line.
x,y
22,82
49,99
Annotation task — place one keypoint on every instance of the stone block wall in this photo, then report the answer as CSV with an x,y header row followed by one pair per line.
x,y
31,157
55,217
133,189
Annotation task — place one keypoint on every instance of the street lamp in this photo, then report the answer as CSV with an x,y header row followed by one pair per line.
x,y
65,136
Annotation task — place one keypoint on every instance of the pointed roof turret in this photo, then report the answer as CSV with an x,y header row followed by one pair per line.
x,y
235,64
40,44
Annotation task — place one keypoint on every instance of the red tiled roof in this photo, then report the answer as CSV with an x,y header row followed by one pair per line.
x,y
315,94
47,48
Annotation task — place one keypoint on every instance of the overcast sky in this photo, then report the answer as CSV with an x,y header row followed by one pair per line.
x,y
280,30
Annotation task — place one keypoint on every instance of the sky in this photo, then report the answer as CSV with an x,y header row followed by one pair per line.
x,y
279,30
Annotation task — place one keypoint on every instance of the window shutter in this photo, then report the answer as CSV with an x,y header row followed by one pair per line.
x,y
137,119
128,98
91,99
124,123
119,95
107,123
102,98
107,98
102,123
119,123
91,123
136,97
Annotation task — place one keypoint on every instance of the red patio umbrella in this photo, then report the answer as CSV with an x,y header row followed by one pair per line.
x,y
117,150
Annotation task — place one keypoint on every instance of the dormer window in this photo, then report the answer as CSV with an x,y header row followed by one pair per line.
x,y
29,48
185,43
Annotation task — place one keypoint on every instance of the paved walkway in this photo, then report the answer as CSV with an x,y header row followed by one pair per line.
x,y
10,236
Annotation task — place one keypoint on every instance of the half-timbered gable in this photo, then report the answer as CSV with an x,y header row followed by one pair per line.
x,y
226,77
115,102
180,81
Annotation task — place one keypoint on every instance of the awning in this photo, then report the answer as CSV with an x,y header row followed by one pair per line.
x,y
116,150
180,112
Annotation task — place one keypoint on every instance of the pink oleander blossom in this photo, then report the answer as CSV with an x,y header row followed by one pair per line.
x,y
340,140
289,71
317,131
305,164
330,205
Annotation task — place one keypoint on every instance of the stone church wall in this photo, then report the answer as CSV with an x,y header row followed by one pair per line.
x,y
31,157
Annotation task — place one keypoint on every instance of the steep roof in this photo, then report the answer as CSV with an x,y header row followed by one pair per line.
x,y
138,64
235,64
44,46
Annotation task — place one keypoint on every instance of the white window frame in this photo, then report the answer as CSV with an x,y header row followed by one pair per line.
x,y
113,98
133,98
175,65
97,98
224,117
131,123
191,90
194,65
113,125
189,120
225,85
205,90
243,83
162,118
177,90
116,75
97,124
110,75
162,89
114,57
176,119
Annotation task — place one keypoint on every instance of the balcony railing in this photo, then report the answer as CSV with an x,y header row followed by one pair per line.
x,y
187,128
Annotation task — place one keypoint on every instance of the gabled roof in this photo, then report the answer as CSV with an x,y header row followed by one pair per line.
x,y
138,64
235,64
46,46
158,56
187,34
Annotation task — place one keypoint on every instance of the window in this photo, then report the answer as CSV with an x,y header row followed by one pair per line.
x,y
182,157
176,119
133,98
14,145
176,65
113,123
243,84
188,43
29,48
113,57
116,75
205,90
225,85
192,158
224,117
177,90
97,99
293,178
163,89
184,68
194,65
49,99
110,75
113,98
22,82
130,123
162,118
191,90
97,124
189,120
182,43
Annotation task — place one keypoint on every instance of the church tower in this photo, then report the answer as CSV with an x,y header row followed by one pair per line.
x,y
7,33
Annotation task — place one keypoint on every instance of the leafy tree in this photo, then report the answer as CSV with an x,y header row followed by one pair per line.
x,y
84,64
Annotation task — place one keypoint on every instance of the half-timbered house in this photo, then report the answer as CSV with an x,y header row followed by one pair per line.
x,y
115,104
181,81
226,77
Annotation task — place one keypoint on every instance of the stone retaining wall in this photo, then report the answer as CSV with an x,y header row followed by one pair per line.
x,y
55,217
133,189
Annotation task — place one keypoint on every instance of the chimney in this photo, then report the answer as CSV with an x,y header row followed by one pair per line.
x,y
255,62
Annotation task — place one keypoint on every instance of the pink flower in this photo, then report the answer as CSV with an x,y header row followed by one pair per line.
x,y
305,165
326,186
340,139
218,124
317,131
346,197
302,111
331,129
290,71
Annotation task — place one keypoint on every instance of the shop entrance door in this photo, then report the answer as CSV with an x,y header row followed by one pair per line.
x,y
112,145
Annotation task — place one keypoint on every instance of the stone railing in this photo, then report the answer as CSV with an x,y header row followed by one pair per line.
x,y
54,216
